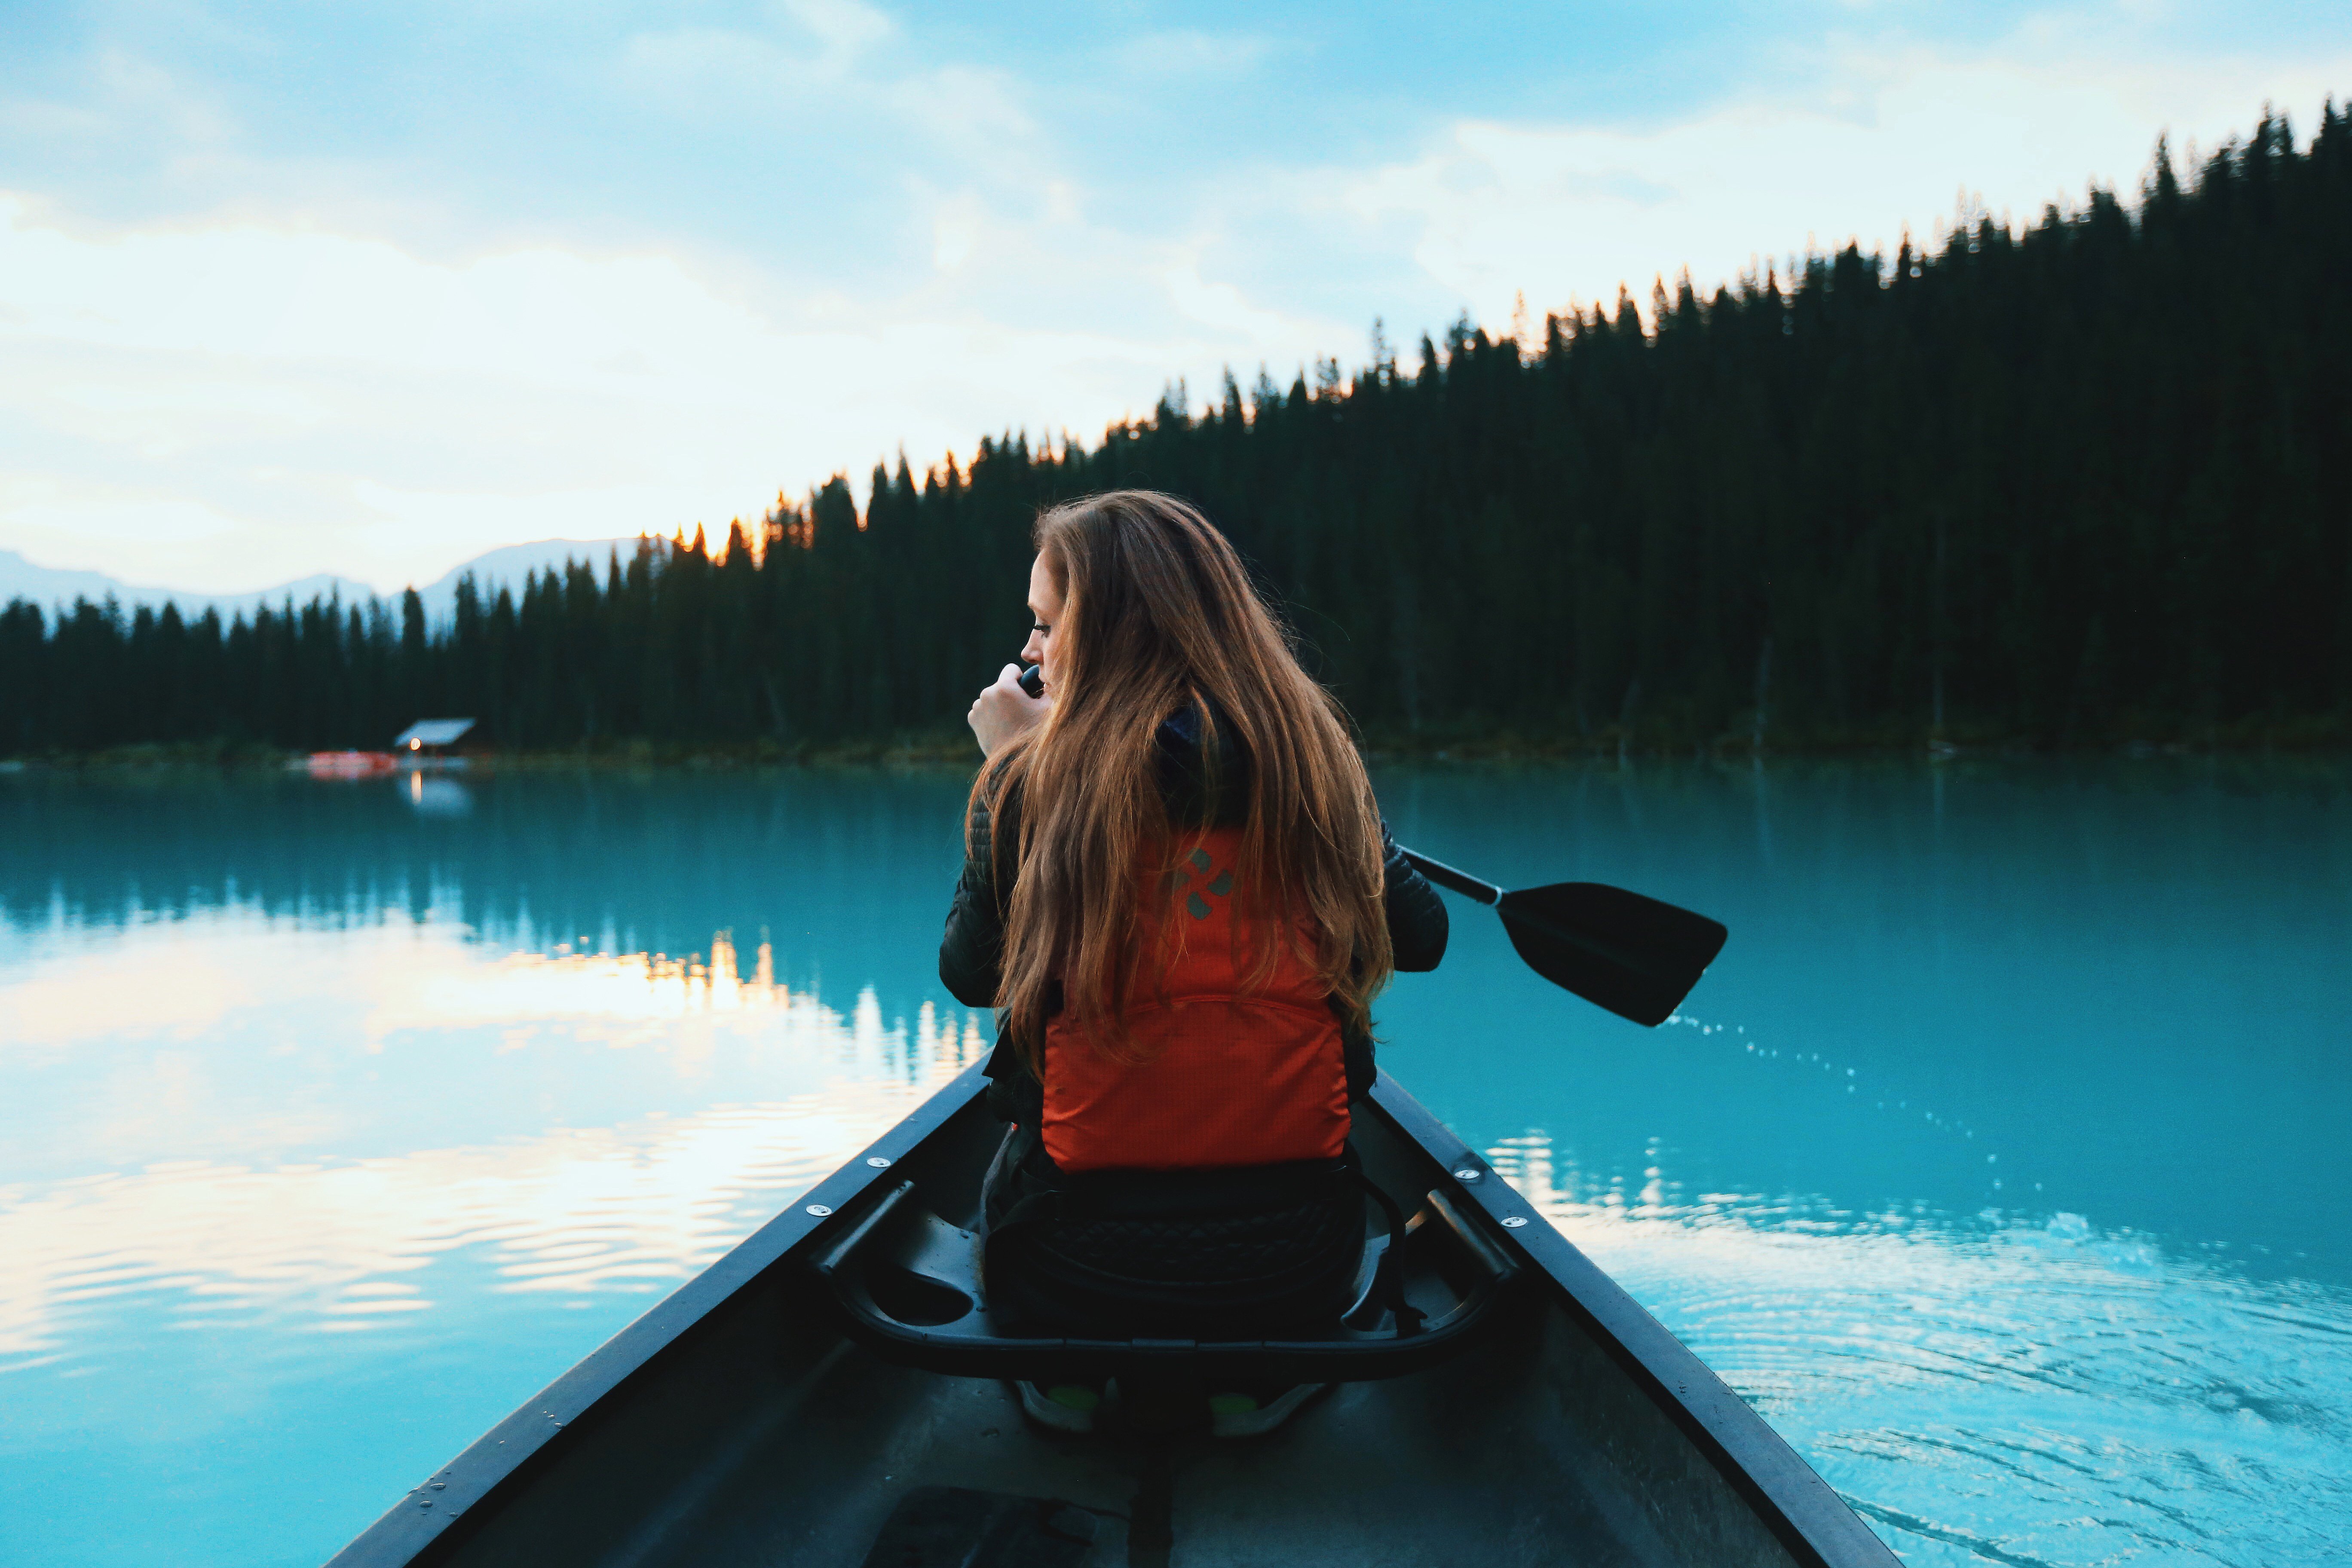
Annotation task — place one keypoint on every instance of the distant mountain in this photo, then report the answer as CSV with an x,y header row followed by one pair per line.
x,y
20,579
509,565
51,586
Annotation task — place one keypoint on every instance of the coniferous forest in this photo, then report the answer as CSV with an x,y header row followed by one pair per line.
x,y
2080,480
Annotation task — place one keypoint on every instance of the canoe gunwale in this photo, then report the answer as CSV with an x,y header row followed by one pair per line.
x,y
1808,1517
1811,1521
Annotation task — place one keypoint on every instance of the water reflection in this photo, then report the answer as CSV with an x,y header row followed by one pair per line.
x,y
350,1178
338,1247
97,1041
2006,1388
350,1122
621,862
438,797
2117,991
223,1035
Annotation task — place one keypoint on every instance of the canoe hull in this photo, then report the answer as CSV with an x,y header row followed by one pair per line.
x,y
736,1422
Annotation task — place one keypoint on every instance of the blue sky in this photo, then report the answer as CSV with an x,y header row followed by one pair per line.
x,y
372,287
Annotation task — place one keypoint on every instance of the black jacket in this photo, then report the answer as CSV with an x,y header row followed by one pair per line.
x,y
972,952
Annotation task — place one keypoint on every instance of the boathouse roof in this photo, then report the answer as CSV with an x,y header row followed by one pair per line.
x,y
431,732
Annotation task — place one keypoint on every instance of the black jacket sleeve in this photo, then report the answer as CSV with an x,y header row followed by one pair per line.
x,y
971,950
1417,923
1417,933
1013,1093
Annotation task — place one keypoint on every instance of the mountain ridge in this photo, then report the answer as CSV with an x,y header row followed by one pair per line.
x,y
55,588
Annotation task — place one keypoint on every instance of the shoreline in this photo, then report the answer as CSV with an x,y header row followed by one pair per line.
x,y
2313,741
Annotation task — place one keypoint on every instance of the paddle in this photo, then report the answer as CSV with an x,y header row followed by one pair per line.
x,y
1635,956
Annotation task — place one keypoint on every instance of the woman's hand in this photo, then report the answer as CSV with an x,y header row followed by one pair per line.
x,y
1004,712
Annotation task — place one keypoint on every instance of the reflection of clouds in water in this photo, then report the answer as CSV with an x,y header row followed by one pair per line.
x,y
615,1000
2012,1391
205,1015
185,978
332,1247
74,990
237,983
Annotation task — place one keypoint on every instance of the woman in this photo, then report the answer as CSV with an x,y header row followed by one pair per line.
x,y
1180,898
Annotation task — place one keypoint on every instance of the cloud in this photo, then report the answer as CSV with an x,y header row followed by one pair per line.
x,y
126,97
1186,54
677,268
228,404
808,109
846,28
221,402
1878,143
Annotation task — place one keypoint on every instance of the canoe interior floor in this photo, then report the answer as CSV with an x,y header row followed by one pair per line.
x,y
1464,1463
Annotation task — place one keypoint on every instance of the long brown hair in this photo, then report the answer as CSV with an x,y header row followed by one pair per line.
x,y
1159,613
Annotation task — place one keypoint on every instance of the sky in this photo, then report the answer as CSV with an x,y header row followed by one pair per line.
x,y
372,287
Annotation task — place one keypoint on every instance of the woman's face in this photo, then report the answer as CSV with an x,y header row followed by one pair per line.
x,y
1045,619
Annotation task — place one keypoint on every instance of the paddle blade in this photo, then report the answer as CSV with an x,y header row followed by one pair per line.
x,y
1635,956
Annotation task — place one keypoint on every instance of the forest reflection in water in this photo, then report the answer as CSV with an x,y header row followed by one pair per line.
x,y
1996,1161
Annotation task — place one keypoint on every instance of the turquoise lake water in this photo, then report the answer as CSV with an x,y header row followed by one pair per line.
x,y
2002,1161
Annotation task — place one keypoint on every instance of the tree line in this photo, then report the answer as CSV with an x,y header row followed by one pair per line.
x,y
2073,480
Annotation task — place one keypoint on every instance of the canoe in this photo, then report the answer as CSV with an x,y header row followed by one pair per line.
x,y
832,1391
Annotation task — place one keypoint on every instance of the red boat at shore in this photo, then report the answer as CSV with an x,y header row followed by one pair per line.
x,y
350,765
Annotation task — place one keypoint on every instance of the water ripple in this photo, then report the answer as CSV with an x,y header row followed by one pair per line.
x,y
2010,1390
338,1247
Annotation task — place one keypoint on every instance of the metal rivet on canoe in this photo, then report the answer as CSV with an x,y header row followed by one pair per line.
x,y
819,1210
1465,1174
1512,1221
879,1161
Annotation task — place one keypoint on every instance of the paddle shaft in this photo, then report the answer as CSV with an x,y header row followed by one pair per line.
x,y
1445,876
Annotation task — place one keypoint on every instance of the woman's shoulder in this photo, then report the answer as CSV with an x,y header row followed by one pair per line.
x,y
1203,760
998,787
993,812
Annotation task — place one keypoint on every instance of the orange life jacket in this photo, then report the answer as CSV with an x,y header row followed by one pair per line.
x,y
1216,1076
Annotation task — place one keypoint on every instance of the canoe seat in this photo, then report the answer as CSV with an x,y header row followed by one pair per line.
x,y
908,1286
